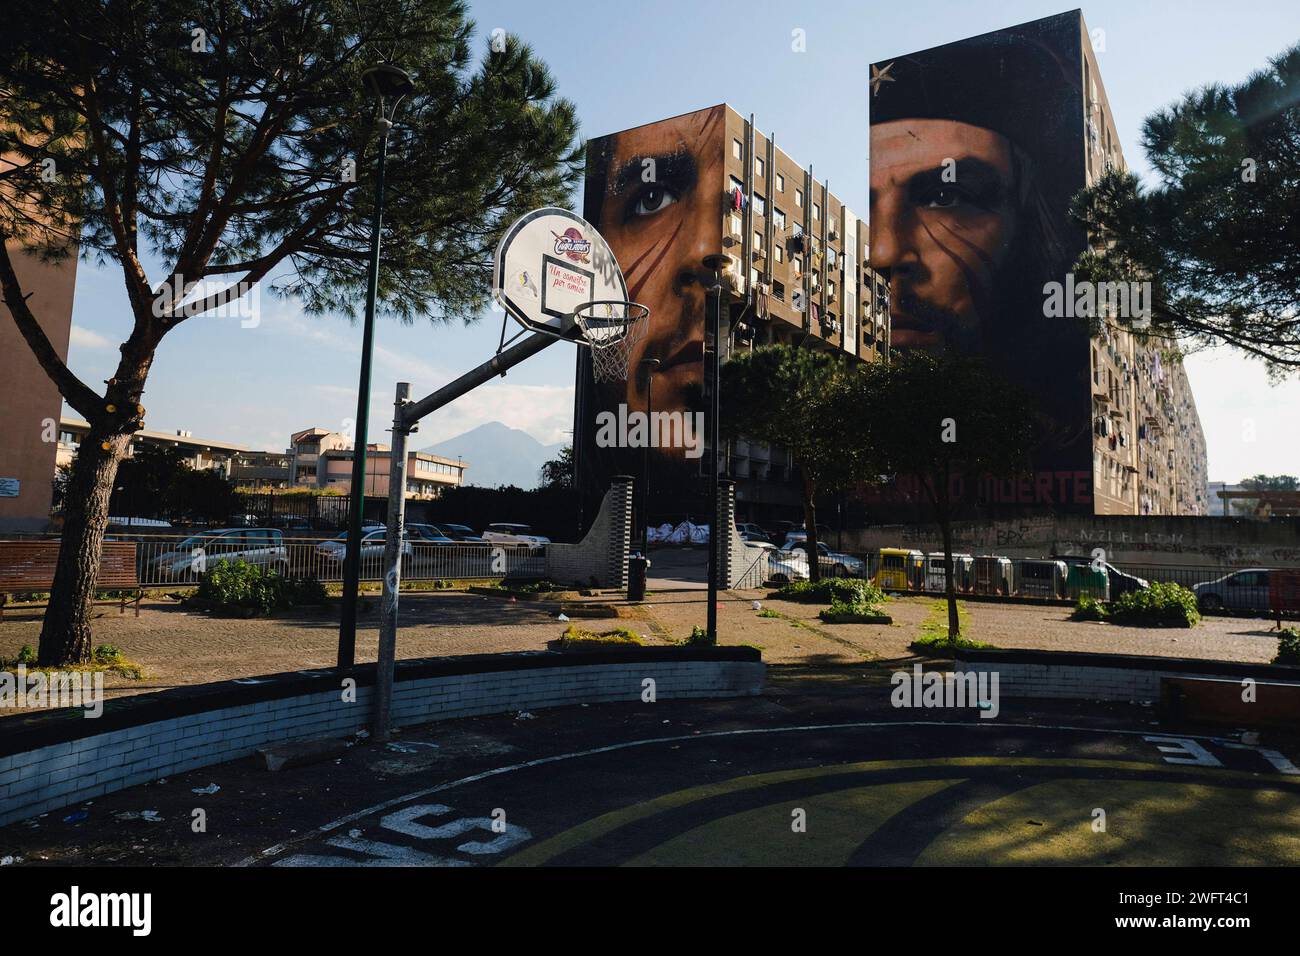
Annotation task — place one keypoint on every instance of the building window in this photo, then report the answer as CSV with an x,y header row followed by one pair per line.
x,y
798,197
780,253
760,205
778,290
797,262
817,212
758,167
778,217
780,183
737,149
758,240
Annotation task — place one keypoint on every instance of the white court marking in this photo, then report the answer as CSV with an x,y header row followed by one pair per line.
x,y
626,745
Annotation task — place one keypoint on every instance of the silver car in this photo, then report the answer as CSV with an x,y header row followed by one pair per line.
x,y
1239,591
194,555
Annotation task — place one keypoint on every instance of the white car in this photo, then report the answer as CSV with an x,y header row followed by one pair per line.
x,y
372,546
834,563
507,533
786,566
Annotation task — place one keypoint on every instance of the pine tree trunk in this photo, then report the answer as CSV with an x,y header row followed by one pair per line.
x,y
66,634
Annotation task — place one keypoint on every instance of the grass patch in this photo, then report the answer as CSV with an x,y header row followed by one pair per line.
x,y
1089,609
699,638
845,612
768,612
934,632
542,586
576,638
106,658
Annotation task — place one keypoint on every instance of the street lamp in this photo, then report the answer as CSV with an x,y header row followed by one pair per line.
x,y
649,365
716,264
388,85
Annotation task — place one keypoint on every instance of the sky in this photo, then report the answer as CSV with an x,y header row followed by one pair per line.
x,y
635,62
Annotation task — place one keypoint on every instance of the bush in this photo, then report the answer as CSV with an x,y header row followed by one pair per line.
x,y
852,612
830,590
1089,609
1288,646
1160,604
938,645
26,655
238,584
699,638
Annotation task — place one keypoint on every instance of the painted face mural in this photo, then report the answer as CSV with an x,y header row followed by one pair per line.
x,y
976,150
652,192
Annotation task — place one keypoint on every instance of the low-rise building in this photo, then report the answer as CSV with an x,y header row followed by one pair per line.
x,y
427,476
200,453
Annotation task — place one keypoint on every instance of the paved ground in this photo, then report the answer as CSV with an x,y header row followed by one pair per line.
x,y
819,770
177,647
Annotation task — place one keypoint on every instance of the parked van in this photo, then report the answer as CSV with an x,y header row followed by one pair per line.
x,y
992,575
962,565
900,569
1040,579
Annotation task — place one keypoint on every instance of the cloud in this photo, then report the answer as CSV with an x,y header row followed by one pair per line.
x,y
84,338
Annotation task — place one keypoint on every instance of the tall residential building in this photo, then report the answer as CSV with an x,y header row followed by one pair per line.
x,y
664,196
977,149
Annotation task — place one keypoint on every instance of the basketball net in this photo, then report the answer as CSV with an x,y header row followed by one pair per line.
x,y
611,328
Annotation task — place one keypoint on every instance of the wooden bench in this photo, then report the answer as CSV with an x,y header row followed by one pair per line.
x,y
29,566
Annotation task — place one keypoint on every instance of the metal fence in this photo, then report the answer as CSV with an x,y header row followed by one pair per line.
x,y
165,560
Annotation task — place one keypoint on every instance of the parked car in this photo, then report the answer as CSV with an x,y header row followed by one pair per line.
x,y
832,562
192,556
372,546
1121,582
459,532
428,534
509,533
757,533
786,566
1239,591
778,531
757,539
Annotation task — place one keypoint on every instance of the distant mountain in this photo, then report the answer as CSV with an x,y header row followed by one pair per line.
x,y
497,454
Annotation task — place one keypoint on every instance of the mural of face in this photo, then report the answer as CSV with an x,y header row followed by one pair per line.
x,y
660,214
943,220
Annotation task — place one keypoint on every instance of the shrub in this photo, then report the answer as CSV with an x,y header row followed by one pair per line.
x,y
108,654
238,584
852,612
699,638
26,655
1162,603
1288,646
938,644
830,590
1089,609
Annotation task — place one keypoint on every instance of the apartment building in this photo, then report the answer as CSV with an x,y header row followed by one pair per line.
x,y
1149,453
307,446
710,182
200,453
427,476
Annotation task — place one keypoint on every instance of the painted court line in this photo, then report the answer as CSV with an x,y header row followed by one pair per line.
x,y
626,745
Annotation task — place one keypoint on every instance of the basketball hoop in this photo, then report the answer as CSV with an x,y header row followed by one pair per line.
x,y
610,327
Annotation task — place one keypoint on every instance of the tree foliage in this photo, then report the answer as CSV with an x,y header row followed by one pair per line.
x,y
797,398
941,420
232,142
1218,235
558,472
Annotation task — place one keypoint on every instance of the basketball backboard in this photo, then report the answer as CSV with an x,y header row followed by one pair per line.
x,y
550,262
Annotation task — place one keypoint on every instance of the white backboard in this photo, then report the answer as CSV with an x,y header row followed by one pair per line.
x,y
548,263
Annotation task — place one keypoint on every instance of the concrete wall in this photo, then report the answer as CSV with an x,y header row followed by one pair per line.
x,y
600,558
1137,540
1114,677
46,765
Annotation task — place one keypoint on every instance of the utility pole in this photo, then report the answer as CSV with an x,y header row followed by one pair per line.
x,y
715,264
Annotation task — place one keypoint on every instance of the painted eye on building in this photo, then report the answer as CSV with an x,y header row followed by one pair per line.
x,y
653,200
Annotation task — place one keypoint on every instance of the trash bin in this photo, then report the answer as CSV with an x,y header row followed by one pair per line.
x,y
636,572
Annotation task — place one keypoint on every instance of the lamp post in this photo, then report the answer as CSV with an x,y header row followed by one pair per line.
x,y
388,85
715,264
649,365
